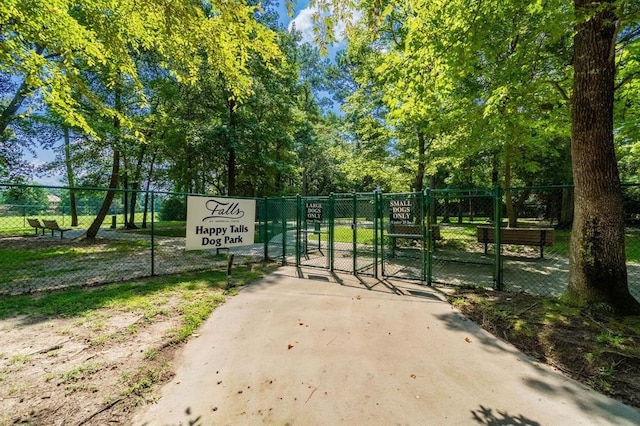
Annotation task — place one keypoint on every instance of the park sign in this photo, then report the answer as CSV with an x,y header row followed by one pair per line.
x,y
219,222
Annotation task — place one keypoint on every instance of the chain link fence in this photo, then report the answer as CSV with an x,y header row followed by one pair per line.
x,y
44,243
446,237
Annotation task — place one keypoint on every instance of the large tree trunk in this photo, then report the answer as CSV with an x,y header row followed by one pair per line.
x,y
70,178
597,272
566,209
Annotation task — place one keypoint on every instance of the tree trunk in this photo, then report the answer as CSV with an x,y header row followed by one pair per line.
x,y
148,186
9,112
566,209
125,193
597,272
135,185
92,232
70,178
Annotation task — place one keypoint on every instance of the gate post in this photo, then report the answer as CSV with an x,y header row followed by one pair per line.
x,y
332,217
381,215
429,252
153,242
265,228
298,225
376,216
497,220
354,227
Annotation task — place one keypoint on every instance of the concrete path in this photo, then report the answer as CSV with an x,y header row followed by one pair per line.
x,y
328,350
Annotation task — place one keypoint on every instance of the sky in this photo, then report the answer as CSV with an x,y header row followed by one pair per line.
x,y
302,19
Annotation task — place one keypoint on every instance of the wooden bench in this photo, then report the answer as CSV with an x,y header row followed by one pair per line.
x,y
53,226
35,223
539,237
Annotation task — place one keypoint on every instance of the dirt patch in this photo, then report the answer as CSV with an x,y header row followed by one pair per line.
x,y
60,371
595,348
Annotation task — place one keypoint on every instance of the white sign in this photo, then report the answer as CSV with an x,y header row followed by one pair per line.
x,y
219,222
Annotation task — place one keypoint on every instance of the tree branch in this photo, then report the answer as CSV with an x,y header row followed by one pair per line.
x,y
560,90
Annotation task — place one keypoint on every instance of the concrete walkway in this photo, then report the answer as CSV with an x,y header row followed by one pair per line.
x,y
329,350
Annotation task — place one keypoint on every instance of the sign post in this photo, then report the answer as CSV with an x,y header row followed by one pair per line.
x,y
219,222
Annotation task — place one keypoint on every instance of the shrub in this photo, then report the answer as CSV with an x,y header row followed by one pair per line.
x,y
174,208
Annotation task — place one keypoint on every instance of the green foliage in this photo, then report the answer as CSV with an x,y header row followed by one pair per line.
x,y
174,209
26,196
51,43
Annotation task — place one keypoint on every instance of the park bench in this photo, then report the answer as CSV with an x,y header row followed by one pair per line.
x,y
53,226
35,223
538,237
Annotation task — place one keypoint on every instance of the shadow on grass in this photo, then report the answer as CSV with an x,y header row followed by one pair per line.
x,y
77,301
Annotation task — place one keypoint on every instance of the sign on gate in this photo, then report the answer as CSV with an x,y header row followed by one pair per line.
x,y
219,222
400,212
313,212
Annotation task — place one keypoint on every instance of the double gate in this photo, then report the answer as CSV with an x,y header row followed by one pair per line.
x,y
425,236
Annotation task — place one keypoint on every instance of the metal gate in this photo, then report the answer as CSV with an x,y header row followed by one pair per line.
x,y
314,232
426,236
339,232
405,234
457,257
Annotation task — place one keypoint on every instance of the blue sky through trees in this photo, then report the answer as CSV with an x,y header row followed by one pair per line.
x,y
301,20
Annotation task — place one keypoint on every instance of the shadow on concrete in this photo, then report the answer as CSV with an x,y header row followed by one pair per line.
x,y
486,416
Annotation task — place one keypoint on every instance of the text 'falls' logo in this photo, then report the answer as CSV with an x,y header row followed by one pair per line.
x,y
219,209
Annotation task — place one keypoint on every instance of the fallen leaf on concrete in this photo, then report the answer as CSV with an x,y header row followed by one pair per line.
x,y
413,376
289,346
466,339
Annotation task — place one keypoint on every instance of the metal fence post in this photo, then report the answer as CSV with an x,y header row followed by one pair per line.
x,y
153,245
332,216
265,228
354,228
298,230
497,263
284,233
429,245
381,213
376,215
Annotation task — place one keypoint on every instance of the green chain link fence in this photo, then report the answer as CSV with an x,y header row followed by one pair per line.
x,y
446,236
